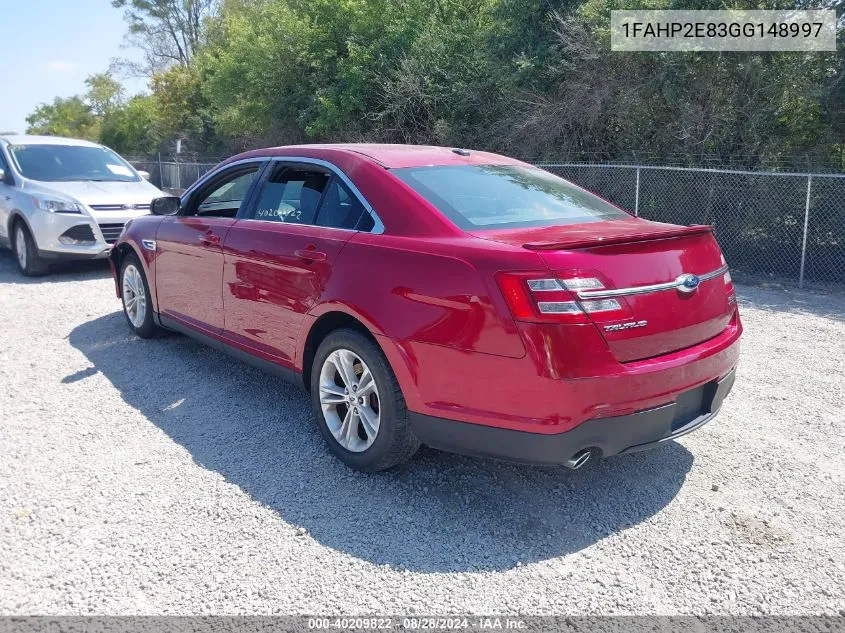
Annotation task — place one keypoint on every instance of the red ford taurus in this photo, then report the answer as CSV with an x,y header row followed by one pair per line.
x,y
446,297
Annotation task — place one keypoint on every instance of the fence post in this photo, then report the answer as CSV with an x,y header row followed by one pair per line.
x,y
806,224
160,172
637,195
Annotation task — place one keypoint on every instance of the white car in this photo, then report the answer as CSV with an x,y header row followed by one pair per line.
x,y
64,199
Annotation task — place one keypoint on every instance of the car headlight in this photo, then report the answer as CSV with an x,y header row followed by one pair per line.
x,y
54,205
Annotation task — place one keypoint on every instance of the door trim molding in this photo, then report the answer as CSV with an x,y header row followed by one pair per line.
x,y
378,225
286,373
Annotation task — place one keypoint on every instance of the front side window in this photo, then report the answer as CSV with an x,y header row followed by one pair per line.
x,y
63,163
224,196
505,196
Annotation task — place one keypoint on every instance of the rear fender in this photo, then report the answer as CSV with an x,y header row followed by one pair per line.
x,y
408,292
439,292
322,309
400,355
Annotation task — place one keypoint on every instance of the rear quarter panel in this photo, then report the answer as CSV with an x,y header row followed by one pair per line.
x,y
434,291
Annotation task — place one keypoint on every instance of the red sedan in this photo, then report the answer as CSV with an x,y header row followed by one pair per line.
x,y
453,298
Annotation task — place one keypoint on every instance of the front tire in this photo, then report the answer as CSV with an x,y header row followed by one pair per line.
x,y
27,258
358,404
135,296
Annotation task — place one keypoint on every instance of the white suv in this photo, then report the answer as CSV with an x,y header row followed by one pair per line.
x,y
62,199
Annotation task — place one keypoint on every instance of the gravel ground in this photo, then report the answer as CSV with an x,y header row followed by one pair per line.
x,y
161,477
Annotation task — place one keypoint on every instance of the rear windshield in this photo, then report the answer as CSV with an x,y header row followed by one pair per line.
x,y
505,196
57,163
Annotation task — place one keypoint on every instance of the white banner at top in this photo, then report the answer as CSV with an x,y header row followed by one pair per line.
x,y
728,30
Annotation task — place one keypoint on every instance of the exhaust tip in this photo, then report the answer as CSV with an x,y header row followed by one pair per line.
x,y
578,459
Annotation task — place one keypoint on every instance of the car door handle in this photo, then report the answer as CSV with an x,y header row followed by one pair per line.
x,y
210,240
310,254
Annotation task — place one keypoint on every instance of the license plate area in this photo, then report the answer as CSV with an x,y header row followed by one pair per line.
x,y
691,405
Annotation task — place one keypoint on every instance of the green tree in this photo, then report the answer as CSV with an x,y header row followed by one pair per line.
x,y
527,77
734,106
444,90
104,95
133,129
288,70
70,117
181,109
167,31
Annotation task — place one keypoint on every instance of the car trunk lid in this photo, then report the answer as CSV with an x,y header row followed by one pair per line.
x,y
639,264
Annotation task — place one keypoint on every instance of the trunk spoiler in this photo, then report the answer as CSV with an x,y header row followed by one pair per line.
x,y
580,241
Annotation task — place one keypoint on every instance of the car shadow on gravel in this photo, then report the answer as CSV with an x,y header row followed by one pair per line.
x,y
438,513
59,272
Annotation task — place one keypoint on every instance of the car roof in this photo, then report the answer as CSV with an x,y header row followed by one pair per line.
x,y
31,139
392,156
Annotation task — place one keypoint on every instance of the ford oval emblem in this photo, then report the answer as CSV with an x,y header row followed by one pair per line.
x,y
688,283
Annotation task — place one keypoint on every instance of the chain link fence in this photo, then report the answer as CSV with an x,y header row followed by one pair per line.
x,y
784,225
769,224
173,176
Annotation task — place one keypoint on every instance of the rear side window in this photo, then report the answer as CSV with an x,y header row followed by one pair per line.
x,y
301,194
505,196
341,210
291,195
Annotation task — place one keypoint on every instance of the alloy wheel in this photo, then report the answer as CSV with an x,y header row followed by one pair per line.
x,y
134,297
349,400
20,246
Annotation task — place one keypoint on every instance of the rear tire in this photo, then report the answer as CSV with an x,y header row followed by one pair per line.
x,y
135,296
369,432
27,258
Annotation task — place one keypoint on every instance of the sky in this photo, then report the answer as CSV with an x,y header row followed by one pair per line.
x,y
50,47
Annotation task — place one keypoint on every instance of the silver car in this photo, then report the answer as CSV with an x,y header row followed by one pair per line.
x,y
64,199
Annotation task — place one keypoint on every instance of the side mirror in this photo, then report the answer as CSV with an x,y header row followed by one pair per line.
x,y
166,205
144,174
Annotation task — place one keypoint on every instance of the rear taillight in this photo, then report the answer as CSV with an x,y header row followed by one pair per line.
x,y
539,298
729,284
514,287
727,276
601,305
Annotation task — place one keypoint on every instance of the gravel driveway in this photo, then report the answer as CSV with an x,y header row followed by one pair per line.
x,y
164,477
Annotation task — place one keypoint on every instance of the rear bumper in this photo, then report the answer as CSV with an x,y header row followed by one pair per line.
x,y
555,387
610,436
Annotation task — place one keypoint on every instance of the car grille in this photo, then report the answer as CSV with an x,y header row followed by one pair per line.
x,y
78,233
111,232
120,207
